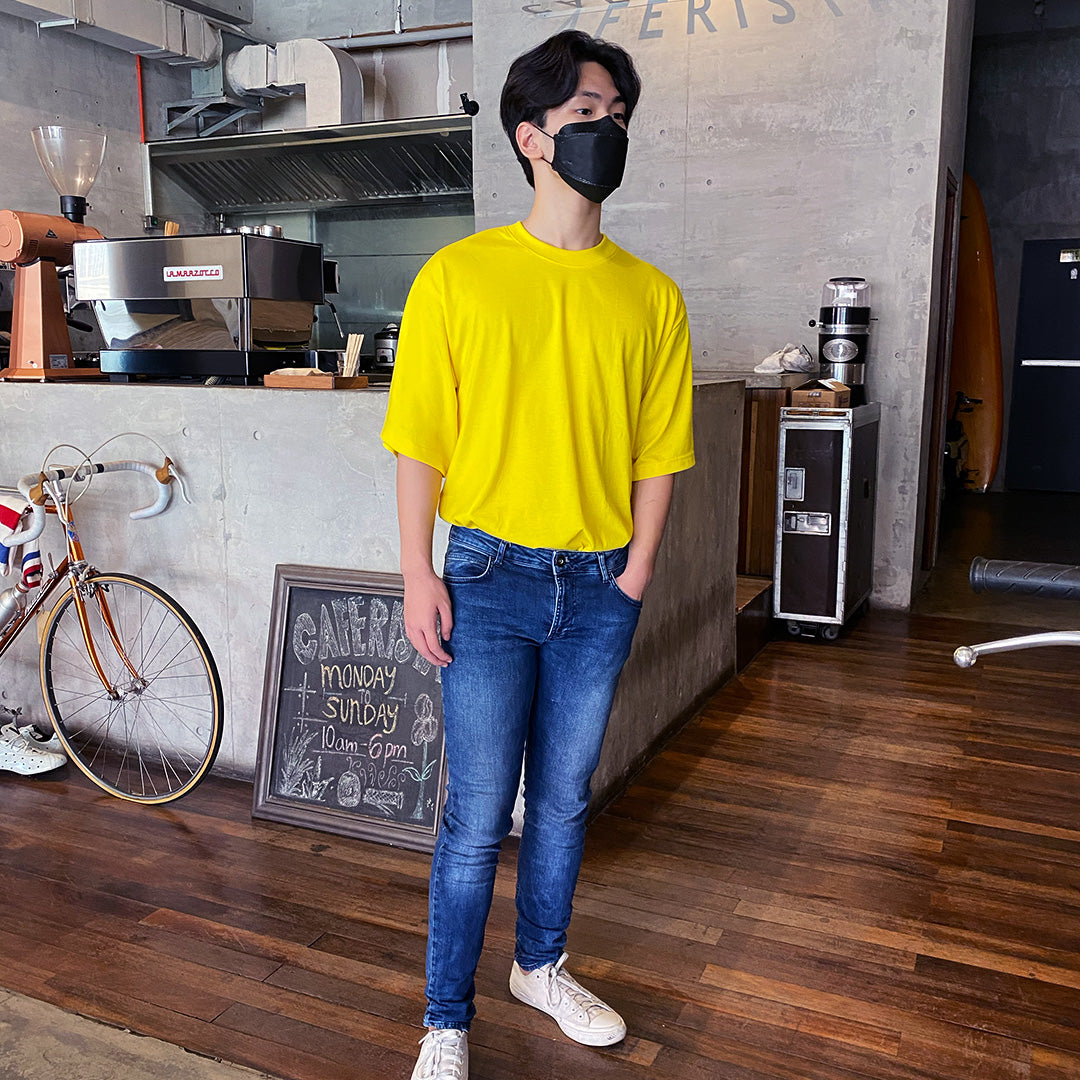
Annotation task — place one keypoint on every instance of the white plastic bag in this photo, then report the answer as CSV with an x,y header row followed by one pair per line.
x,y
789,358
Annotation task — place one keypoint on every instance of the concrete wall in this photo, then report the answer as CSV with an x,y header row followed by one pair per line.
x,y
415,80
300,476
59,78
285,476
1022,148
274,21
776,145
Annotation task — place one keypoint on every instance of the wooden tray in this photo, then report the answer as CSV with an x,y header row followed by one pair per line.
x,y
322,381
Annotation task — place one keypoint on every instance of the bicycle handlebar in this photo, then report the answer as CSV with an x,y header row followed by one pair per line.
x,y
30,487
1054,580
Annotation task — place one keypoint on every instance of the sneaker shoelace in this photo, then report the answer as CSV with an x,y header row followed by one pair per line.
x,y
15,740
562,986
446,1051
33,737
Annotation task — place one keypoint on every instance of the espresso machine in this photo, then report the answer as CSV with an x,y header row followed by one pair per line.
x,y
226,305
843,333
37,244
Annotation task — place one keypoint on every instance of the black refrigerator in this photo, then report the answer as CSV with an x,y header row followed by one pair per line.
x,y
1044,436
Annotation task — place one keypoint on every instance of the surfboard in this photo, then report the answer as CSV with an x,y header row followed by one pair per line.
x,y
975,393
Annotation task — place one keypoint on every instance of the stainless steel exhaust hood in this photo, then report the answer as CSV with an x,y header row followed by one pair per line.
x,y
319,168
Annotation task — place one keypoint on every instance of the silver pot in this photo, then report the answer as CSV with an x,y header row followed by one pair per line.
x,y
386,346
259,230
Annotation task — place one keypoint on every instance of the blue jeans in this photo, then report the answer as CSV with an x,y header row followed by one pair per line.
x,y
538,642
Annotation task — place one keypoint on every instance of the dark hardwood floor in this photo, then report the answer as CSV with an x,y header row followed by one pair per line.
x,y
858,862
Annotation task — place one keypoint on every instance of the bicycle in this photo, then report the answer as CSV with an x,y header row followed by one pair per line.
x,y
129,683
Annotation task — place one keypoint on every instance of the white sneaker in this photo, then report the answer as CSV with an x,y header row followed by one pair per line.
x,y
19,756
34,737
580,1014
444,1055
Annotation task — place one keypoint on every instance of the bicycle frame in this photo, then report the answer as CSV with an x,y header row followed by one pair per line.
x,y
76,570
45,589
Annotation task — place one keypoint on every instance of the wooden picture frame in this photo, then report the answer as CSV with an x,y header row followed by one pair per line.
x,y
351,731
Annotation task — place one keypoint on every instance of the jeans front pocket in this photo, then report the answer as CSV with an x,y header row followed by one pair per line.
x,y
616,565
463,565
625,596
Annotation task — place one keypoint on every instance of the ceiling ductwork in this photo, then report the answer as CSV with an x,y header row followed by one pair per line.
x,y
155,29
318,85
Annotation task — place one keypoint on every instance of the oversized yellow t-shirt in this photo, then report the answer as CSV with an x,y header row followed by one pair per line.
x,y
541,383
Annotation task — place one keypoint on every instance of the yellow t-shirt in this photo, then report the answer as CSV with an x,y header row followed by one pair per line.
x,y
541,383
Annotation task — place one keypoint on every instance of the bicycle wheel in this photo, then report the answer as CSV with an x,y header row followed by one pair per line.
x,y
158,738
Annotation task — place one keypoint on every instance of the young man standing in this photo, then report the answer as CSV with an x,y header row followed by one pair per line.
x,y
541,401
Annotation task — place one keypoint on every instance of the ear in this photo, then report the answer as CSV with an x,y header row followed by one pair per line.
x,y
530,141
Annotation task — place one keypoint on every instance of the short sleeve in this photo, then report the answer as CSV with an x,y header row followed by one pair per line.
x,y
664,441
422,413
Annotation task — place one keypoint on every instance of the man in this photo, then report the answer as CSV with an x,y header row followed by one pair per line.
x,y
542,385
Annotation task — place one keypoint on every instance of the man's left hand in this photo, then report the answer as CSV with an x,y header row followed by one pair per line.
x,y
633,583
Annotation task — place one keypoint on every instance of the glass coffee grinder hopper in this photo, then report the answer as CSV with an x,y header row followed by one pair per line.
x,y
38,245
843,329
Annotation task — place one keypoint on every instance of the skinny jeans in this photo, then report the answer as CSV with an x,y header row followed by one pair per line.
x,y
539,639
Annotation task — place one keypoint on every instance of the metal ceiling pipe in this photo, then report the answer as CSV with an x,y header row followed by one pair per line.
x,y
328,78
455,32
152,28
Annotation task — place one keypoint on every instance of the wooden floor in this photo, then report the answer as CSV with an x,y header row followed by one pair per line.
x,y
858,862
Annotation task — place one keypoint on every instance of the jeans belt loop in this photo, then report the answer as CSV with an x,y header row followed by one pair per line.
x,y
501,553
601,558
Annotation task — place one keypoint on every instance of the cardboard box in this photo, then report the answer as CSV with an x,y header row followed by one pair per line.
x,y
821,393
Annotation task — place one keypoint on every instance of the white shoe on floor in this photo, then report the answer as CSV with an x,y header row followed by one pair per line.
x,y
19,756
581,1014
444,1055
34,737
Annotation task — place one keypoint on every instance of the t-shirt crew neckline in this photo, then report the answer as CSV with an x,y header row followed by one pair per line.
x,y
593,256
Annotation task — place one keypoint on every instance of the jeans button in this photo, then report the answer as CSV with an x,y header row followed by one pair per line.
x,y
560,560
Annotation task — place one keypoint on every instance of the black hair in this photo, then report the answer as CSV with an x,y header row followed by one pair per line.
x,y
548,75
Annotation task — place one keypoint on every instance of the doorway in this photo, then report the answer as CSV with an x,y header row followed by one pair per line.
x,y
1022,111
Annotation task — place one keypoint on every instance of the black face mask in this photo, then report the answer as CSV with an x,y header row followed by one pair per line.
x,y
590,156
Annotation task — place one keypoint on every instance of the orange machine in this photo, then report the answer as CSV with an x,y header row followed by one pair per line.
x,y
40,343
37,244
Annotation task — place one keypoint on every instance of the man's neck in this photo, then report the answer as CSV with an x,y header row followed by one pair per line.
x,y
564,219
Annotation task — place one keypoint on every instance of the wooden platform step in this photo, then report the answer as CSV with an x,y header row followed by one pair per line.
x,y
753,617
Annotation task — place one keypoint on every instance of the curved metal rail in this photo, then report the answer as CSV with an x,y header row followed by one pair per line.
x,y
1052,580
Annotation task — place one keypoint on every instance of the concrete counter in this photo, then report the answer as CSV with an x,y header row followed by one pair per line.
x,y
300,476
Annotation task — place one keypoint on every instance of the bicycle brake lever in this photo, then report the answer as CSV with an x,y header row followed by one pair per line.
x,y
178,476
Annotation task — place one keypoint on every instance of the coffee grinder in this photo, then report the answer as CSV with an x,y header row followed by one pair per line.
x,y
843,331
37,244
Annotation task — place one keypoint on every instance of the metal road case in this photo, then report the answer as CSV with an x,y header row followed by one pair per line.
x,y
827,479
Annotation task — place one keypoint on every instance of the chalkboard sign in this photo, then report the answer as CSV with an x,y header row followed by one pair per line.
x,y
351,739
